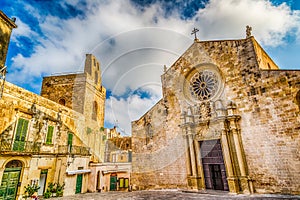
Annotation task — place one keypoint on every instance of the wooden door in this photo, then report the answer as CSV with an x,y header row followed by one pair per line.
x,y
213,165
9,183
113,183
216,177
78,183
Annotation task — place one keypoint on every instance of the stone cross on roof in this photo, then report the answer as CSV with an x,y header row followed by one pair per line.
x,y
248,31
194,32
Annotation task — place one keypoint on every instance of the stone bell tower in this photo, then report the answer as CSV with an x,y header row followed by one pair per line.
x,y
82,92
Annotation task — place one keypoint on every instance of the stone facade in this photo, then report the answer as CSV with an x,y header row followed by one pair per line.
x,y
35,133
51,138
82,92
6,26
228,119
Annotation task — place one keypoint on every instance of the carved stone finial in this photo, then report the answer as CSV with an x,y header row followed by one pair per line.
x,y
165,68
248,31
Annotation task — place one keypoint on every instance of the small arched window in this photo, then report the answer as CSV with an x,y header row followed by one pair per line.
x,y
62,102
95,110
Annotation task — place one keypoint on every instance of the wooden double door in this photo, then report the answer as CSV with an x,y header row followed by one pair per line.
x,y
10,183
213,165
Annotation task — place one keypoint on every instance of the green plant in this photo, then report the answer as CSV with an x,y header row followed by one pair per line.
x,y
30,190
51,187
54,188
60,189
47,194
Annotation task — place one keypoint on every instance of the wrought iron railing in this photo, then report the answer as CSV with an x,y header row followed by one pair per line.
x,y
9,146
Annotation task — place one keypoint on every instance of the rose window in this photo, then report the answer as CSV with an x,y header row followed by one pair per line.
x,y
204,85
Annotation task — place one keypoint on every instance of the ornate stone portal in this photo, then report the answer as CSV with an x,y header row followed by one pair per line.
x,y
215,154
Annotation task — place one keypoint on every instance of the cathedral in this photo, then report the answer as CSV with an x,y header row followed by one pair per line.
x,y
228,120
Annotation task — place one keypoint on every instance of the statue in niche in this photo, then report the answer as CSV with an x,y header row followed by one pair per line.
x,y
204,111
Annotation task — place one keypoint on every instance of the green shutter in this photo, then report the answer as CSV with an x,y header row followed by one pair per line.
x,y
20,136
70,139
19,129
49,135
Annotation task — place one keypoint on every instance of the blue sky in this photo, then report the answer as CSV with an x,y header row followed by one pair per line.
x,y
133,40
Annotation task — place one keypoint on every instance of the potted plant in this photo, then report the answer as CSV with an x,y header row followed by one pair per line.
x,y
30,190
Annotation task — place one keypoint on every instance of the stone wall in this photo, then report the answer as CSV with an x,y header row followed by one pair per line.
x,y
266,100
158,159
41,112
6,26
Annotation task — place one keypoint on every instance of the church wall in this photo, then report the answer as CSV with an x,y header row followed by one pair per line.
x,y
270,129
265,100
157,161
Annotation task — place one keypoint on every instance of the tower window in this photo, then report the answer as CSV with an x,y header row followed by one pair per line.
x,y
95,110
96,77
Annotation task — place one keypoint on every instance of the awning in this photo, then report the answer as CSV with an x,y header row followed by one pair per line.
x,y
80,171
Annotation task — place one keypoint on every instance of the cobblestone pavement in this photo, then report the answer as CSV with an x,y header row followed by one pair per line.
x,y
168,194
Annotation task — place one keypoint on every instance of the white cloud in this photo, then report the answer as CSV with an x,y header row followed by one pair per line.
x,y
228,18
133,45
124,110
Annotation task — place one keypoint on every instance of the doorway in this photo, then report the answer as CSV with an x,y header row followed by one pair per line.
x,y
78,183
216,177
213,165
113,182
10,180
42,182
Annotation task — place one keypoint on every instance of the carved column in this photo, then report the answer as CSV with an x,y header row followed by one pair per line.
x,y
192,152
231,178
240,156
200,175
188,158
192,180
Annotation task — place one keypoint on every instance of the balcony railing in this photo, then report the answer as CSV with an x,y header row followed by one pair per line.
x,y
10,146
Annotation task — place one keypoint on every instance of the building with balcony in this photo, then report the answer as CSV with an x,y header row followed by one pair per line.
x,y
51,138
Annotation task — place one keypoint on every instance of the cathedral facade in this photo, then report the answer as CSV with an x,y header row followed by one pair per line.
x,y
228,120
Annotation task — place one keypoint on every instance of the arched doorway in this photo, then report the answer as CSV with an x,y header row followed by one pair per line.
x,y
10,180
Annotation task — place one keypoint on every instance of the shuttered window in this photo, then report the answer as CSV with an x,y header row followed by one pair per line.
x,y
21,132
49,135
21,129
